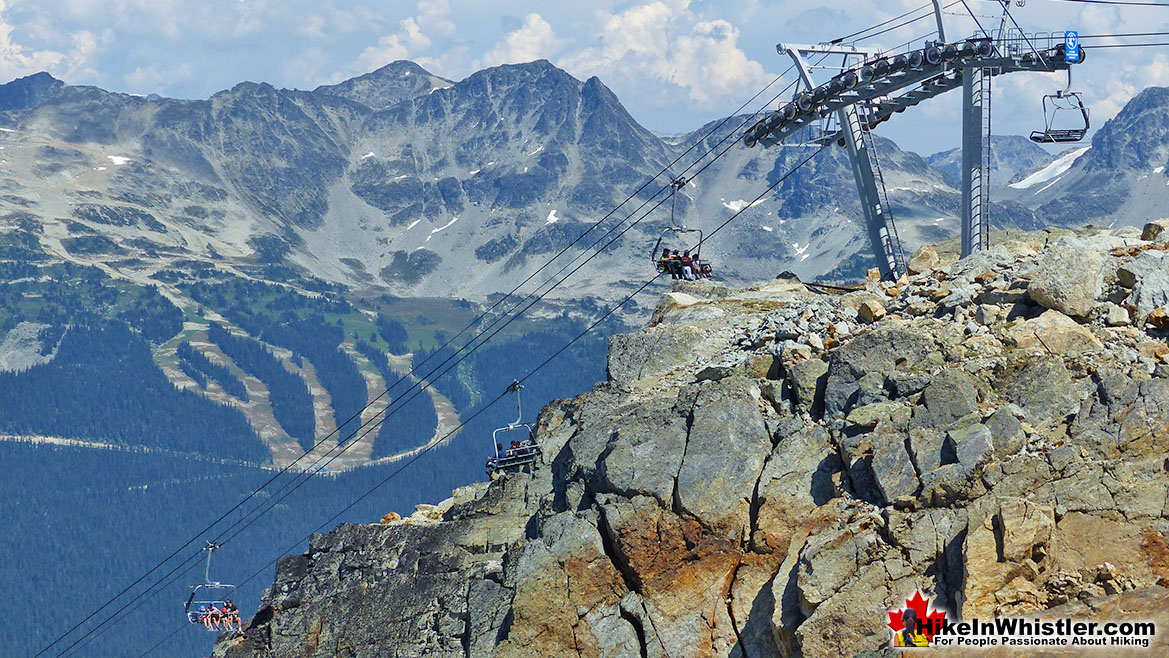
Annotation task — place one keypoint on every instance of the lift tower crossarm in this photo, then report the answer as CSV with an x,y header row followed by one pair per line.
x,y
874,86
862,156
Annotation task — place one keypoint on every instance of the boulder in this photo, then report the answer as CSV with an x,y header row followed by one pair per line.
x,y
1151,292
950,395
923,260
869,415
1005,542
870,311
653,352
987,314
1144,264
644,451
725,452
892,467
1115,316
1158,318
1068,277
1006,433
972,444
798,477
1041,390
881,351
1156,231
808,379
671,301
1054,332
679,574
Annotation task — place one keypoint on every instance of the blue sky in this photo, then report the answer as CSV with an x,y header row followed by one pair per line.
x,y
675,64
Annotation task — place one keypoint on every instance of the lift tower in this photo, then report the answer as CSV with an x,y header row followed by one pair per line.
x,y
869,86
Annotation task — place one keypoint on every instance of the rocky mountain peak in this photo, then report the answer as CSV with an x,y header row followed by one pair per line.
x,y
1137,138
387,86
28,91
769,470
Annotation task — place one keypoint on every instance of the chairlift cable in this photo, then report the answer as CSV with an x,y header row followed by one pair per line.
x,y
881,24
496,331
412,370
429,376
483,408
909,22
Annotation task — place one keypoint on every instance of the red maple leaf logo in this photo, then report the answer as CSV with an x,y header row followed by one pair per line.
x,y
930,619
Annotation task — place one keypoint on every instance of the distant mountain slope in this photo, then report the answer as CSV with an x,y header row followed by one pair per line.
x,y
401,181
1011,157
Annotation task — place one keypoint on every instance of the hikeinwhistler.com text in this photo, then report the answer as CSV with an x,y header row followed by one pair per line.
x,y
1041,632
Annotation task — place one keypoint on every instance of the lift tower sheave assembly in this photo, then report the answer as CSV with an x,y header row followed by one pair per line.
x,y
869,86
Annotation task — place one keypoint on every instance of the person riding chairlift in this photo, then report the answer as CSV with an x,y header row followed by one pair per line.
x,y
205,616
687,266
215,617
231,616
700,269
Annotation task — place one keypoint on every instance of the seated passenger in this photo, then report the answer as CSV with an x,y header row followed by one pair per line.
x,y
231,616
500,453
215,616
664,261
205,616
687,266
675,265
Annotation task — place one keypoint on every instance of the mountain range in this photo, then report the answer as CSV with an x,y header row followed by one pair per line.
x,y
402,181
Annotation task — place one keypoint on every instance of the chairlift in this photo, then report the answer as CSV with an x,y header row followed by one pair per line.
x,y
1070,103
677,229
527,450
207,594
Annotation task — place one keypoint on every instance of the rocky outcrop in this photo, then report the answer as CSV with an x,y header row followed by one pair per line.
x,y
763,475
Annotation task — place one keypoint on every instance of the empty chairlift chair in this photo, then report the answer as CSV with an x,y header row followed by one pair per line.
x,y
525,454
1065,103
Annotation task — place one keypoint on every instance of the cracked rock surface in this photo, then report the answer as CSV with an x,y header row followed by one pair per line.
x,y
766,473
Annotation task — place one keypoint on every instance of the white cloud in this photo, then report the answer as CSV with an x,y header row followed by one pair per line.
x,y
667,43
151,79
407,40
535,39
411,40
16,60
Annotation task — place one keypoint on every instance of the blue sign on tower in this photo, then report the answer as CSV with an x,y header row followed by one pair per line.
x,y
1071,46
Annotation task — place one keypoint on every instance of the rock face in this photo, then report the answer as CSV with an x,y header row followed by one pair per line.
x,y
699,504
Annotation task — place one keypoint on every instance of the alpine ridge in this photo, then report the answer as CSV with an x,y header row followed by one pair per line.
x,y
401,181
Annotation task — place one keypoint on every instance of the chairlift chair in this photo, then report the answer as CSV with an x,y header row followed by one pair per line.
x,y
1070,103
208,593
676,228
529,451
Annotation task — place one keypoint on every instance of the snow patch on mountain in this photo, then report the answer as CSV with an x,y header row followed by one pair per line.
x,y
1057,168
739,204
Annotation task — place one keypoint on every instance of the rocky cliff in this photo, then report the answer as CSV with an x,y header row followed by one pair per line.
x,y
769,470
